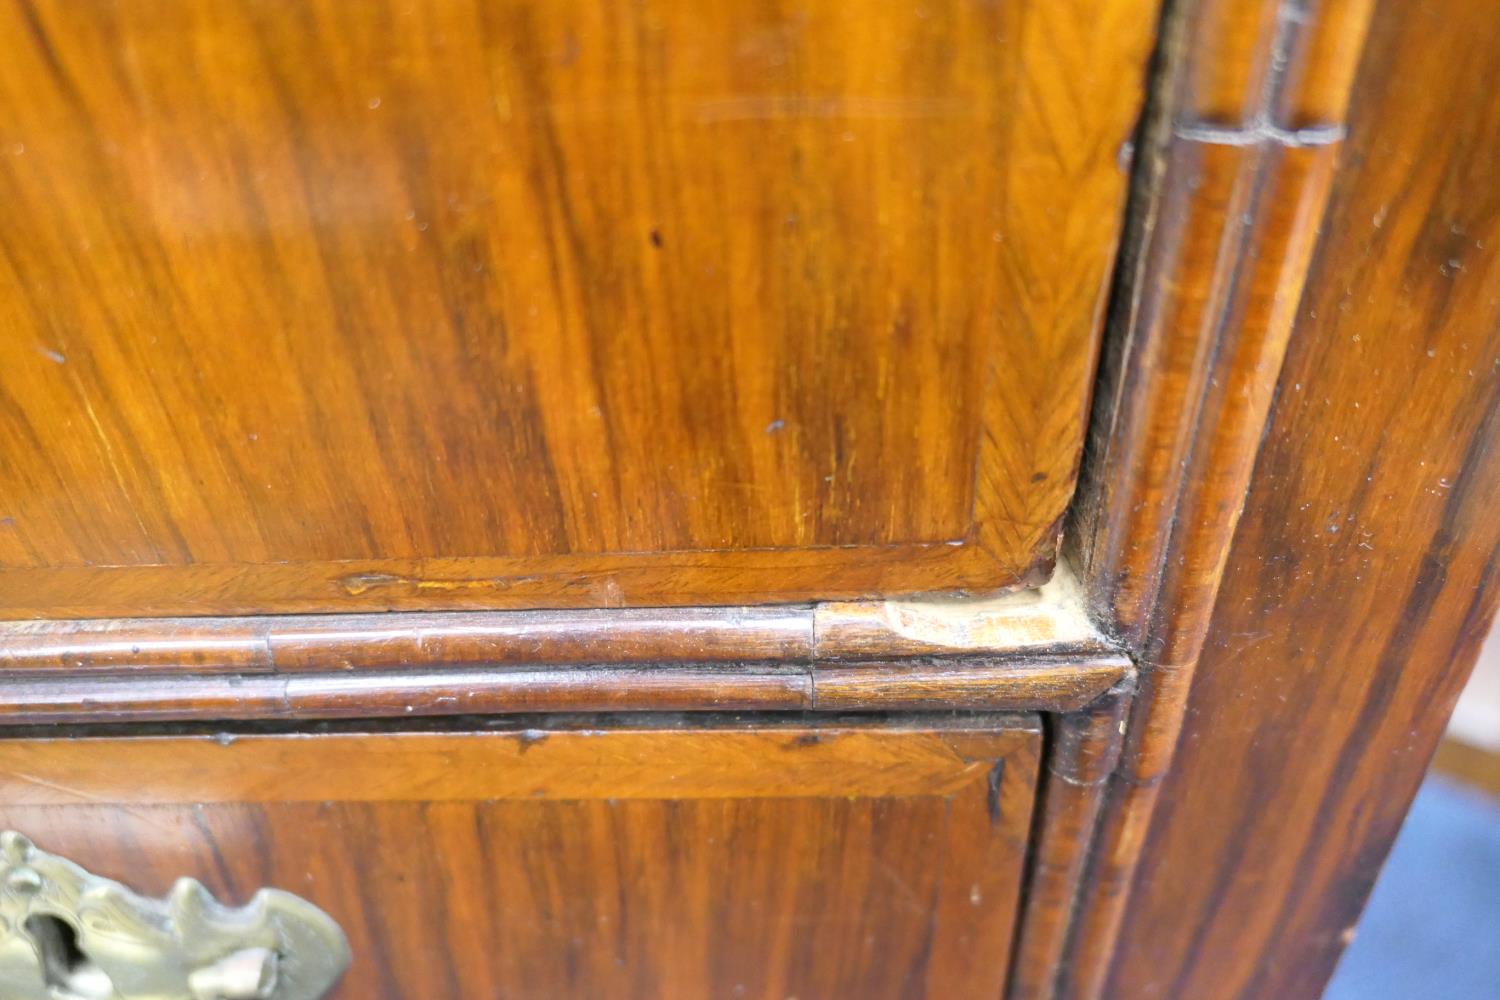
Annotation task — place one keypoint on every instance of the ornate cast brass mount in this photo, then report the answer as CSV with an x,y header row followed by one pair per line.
x,y
68,935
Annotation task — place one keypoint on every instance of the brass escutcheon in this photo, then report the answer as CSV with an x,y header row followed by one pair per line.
x,y
66,934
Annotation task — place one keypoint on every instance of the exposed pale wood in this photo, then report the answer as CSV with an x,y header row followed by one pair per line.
x,y
1032,651
324,307
1048,623
601,377
873,859
1227,215
1050,620
1366,567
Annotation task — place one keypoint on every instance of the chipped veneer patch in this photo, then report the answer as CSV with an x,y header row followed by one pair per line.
x,y
1046,618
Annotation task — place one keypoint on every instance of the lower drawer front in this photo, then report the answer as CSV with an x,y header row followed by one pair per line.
x,y
728,858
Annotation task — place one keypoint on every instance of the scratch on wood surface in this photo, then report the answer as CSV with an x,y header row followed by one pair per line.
x,y
356,584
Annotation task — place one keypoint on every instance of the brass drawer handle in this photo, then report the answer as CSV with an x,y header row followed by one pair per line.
x,y
68,935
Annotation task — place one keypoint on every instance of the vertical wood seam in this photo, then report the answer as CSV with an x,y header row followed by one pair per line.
x,y
1066,817
1158,602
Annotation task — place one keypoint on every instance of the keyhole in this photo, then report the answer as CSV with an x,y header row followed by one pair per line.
x,y
69,973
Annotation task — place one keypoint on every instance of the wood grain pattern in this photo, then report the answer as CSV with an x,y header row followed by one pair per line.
x,y
870,860
1364,571
964,685
474,305
1227,213
400,694
1083,752
316,643
1049,686
1220,59
1033,650
1238,387
1048,622
1321,60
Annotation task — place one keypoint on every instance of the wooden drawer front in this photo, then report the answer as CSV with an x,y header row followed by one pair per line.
x,y
770,860
452,303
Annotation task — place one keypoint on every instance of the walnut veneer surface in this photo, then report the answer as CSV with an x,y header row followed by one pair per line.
x,y
323,306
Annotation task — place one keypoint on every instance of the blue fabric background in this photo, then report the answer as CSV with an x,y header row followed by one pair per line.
x,y
1432,929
